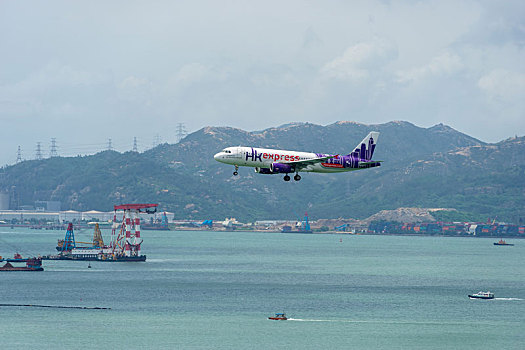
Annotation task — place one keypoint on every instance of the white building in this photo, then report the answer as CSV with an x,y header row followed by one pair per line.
x,y
73,215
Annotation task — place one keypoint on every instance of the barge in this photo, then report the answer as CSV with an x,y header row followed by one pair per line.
x,y
31,264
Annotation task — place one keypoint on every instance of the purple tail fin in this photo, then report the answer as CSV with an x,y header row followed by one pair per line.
x,y
365,149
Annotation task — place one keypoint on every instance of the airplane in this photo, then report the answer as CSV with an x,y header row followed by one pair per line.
x,y
274,161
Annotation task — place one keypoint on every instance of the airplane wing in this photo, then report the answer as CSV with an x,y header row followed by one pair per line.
x,y
300,164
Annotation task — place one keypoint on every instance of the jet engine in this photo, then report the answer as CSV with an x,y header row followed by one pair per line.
x,y
277,168
263,171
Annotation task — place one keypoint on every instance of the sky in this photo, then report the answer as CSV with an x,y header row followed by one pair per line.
x,y
84,72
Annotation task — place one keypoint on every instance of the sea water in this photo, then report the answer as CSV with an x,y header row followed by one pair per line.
x,y
215,290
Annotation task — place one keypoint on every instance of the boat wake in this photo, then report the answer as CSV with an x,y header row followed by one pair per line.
x,y
314,320
310,320
59,306
507,299
396,322
161,260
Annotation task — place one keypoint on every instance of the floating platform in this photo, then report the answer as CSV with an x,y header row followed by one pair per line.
x,y
122,248
94,257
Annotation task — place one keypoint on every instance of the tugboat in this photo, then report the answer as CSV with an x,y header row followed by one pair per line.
x,y
502,242
278,317
482,295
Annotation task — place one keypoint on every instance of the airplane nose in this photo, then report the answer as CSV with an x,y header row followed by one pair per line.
x,y
216,156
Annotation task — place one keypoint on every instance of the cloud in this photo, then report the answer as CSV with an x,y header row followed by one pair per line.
x,y
193,72
359,60
132,82
311,39
198,72
503,85
52,76
134,89
54,89
444,64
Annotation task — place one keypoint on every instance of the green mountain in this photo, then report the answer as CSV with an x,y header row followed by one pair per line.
x,y
427,167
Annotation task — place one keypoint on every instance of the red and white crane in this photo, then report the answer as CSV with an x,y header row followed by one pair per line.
x,y
127,242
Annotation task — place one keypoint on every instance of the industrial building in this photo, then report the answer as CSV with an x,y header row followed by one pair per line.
x,y
64,216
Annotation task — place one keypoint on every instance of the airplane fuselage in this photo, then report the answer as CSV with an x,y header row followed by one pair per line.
x,y
265,157
278,161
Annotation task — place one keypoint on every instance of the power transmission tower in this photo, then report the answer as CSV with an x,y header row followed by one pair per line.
x,y
19,155
53,150
38,152
181,132
135,149
156,140
110,146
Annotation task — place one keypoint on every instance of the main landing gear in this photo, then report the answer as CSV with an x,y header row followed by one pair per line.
x,y
236,172
297,177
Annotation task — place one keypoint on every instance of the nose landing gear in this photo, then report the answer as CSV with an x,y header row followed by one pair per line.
x,y
236,172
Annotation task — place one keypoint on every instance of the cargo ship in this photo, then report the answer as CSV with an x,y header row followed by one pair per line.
x,y
31,264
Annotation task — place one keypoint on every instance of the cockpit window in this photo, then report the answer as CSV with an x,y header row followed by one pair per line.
x,y
226,151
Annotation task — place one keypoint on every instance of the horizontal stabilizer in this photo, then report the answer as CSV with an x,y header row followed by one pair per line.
x,y
372,162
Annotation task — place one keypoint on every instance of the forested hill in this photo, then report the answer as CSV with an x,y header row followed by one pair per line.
x,y
426,167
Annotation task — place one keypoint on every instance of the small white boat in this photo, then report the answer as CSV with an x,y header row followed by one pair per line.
x,y
482,295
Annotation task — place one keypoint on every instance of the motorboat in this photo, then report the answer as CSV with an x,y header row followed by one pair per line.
x,y
278,317
482,295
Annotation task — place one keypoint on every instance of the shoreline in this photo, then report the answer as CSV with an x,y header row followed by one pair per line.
x,y
293,232
354,234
